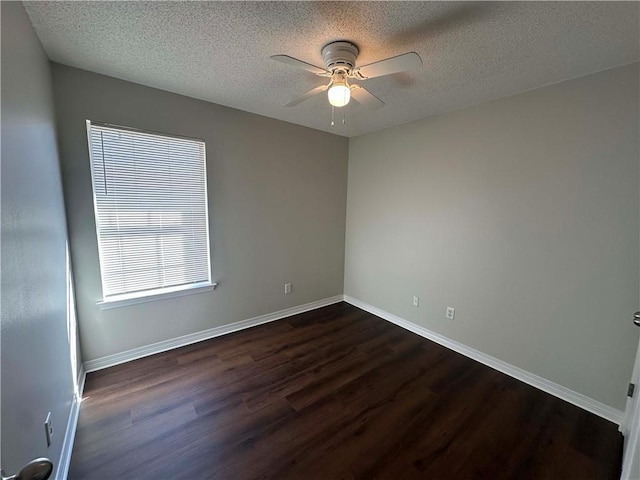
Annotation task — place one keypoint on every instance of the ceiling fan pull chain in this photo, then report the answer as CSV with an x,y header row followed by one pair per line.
x,y
332,112
343,121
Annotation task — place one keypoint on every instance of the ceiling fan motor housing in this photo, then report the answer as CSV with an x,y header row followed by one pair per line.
x,y
340,56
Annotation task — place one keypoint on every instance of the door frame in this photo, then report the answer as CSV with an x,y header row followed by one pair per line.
x,y
630,428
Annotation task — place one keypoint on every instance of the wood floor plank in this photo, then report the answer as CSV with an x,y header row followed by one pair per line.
x,y
334,393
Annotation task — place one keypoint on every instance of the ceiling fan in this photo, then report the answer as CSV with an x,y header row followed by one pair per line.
x,y
340,67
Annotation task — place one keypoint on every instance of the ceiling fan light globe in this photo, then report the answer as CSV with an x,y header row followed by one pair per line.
x,y
339,95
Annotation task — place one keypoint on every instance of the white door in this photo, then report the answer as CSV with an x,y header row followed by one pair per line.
x,y
631,424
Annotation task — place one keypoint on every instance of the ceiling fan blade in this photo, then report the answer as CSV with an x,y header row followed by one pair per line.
x,y
307,95
294,62
401,63
365,97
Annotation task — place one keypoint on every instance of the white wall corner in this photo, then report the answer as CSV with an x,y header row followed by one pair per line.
x,y
557,390
82,377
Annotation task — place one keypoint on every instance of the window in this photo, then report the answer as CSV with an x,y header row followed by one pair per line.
x,y
150,197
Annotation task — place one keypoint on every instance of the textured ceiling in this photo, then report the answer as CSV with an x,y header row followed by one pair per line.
x,y
219,51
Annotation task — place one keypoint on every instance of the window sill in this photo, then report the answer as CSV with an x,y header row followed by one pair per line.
x,y
167,293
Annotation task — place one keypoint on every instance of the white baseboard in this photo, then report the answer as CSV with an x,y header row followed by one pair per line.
x,y
62,471
564,393
67,444
127,356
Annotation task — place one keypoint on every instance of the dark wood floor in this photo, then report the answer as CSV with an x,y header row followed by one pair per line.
x,y
335,393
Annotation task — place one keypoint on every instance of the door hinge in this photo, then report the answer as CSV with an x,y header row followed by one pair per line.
x,y
631,389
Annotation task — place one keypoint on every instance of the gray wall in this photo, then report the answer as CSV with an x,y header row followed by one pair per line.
x,y
277,205
37,376
521,213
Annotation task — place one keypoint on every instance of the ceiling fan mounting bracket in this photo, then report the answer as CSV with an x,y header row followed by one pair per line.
x,y
340,55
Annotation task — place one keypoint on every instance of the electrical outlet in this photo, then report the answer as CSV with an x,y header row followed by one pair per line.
x,y
48,429
451,312
287,288
416,301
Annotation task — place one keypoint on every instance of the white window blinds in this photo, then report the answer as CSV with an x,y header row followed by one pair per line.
x,y
151,211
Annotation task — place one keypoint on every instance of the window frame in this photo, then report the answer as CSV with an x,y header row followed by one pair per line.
x,y
150,295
